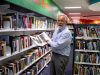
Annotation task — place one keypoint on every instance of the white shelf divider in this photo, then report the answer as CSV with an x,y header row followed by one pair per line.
x,y
76,74
6,30
22,30
82,50
87,38
32,63
84,63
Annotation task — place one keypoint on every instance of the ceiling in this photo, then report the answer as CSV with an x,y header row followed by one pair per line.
x,y
85,12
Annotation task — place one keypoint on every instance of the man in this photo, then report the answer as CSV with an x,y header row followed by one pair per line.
x,y
60,44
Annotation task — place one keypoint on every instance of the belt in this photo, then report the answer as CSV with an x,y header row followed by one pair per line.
x,y
59,54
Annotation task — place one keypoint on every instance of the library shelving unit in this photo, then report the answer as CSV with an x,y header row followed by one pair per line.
x,y
19,55
87,49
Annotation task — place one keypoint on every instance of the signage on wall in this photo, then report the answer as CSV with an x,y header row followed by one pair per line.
x,y
43,3
44,7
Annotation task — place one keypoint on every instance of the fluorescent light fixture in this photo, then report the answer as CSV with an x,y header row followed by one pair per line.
x,y
72,7
74,13
75,17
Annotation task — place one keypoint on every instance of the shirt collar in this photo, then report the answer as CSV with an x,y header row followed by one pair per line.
x,y
62,28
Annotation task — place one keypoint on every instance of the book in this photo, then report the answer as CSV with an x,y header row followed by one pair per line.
x,y
31,22
25,21
45,37
77,56
2,48
14,22
8,40
7,22
40,39
20,22
1,26
36,40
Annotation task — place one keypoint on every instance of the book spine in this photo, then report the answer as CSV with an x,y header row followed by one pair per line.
x,y
2,48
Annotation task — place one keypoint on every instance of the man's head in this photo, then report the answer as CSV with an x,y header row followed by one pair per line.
x,y
61,20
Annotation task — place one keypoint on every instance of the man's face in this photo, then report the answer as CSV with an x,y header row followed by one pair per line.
x,y
61,21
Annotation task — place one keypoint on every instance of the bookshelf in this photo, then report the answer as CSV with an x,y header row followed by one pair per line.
x,y
15,54
18,52
33,63
43,67
87,49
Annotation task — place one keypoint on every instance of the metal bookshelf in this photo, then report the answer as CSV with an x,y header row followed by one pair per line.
x,y
24,30
16,53
87,38
82,50
85,63
43,67
32,63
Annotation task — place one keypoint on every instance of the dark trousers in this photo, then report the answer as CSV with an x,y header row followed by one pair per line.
x,y
58,64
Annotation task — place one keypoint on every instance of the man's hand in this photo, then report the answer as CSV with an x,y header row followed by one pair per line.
x,y
48,42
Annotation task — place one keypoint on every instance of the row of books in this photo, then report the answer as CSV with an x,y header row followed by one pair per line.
x,y
34,70
13,21
13,67
88,44
88,31
87,57
86,70
12,44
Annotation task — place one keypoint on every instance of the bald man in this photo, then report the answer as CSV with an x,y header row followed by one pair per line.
x,y
61,48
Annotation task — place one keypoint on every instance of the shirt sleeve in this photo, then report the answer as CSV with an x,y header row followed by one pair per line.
x,y
61,43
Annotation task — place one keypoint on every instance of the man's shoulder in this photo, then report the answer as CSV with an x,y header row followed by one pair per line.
x,y
67,30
